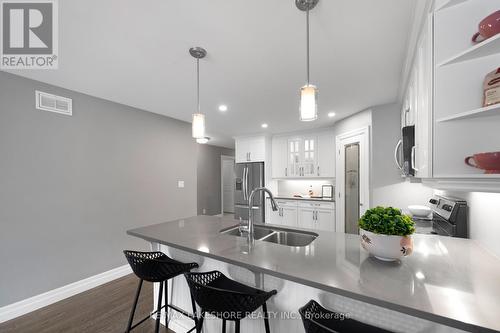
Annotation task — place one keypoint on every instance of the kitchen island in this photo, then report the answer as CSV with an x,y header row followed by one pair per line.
x,y
446,285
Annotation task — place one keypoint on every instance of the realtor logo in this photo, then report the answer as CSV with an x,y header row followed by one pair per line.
x,y
29,34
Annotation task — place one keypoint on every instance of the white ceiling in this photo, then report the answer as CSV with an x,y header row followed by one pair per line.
x,y
136,53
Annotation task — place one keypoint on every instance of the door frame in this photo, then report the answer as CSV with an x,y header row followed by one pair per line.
x,y
361,135
222,159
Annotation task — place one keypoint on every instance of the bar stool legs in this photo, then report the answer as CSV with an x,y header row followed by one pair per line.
x,y
131,317
158,311
266,318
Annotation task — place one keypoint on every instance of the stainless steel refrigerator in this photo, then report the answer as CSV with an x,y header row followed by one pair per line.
x,y
248,177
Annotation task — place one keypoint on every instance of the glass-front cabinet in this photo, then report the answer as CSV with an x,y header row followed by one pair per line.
x,y
310,155
302,156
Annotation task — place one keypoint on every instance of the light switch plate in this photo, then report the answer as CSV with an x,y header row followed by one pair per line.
x,y
180,184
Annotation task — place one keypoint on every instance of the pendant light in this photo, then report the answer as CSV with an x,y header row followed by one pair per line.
x,y
198,117
309,92
203,141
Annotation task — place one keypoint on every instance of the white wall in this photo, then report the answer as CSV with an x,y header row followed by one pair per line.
x,y
484,217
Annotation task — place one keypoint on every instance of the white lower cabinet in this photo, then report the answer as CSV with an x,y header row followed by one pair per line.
x,y
325,219
310,215
286,215
317,215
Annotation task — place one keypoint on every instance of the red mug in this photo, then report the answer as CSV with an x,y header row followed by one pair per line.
x,y
490,162
488,27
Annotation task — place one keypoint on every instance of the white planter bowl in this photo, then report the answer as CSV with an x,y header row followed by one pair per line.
x,y
419,211
386,247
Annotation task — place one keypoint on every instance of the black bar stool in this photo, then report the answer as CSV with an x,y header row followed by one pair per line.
x,y
218,295
157,267
317,319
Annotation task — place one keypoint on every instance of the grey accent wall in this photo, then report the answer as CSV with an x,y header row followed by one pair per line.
x,y
209,178
71,186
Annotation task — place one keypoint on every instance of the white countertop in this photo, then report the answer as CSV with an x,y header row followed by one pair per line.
x,y
447,280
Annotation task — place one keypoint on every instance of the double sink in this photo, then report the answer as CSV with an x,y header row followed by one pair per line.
x,y
275,235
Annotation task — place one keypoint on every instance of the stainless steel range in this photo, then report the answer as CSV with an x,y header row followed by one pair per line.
x,y
449,218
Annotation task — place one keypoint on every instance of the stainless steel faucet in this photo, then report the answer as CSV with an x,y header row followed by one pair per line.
x,y
274,207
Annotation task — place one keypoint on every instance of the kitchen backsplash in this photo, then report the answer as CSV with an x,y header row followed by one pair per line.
x,y
484,221
302,186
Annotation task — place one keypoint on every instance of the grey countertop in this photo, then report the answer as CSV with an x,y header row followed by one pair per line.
x,y
446,280
283,197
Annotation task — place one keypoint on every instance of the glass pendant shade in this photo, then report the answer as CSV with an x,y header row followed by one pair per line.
x,y
198,125
308,103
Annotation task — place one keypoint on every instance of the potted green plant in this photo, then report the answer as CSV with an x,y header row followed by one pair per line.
x,y
386,233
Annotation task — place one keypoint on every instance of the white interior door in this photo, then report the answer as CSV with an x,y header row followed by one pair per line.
x,y
227,178
353,187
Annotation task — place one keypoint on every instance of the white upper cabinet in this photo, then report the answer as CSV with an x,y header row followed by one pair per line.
x,y
250,149
309,156
326,155
417,104
279,157
423,104
304,156
294,157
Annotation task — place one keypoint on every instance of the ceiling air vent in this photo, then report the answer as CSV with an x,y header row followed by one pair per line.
x,y
53,103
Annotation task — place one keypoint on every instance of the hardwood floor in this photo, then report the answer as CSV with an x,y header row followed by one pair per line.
x,y
102,309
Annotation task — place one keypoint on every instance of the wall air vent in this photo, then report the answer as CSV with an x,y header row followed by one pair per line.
x,y
53,103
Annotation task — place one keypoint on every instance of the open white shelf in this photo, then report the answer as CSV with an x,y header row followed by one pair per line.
x,y
451,3
481,112
469,176
486,48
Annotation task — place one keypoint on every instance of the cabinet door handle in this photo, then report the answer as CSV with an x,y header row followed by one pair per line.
x,y
286,172
250,156
412,160
318,170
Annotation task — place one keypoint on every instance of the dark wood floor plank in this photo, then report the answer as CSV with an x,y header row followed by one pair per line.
x,y
103,309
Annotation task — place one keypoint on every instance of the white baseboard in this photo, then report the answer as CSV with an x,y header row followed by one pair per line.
x,y
20,308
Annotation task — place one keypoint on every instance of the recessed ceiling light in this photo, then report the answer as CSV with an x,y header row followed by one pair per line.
x,y
263,125
331,114
222,108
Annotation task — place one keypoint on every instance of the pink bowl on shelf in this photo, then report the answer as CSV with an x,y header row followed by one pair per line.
x,y
488,27
490,162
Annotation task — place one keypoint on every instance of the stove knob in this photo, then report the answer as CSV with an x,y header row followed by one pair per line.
x,y
433,201
447,208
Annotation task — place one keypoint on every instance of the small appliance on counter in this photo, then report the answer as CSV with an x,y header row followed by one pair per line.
x,y
449,218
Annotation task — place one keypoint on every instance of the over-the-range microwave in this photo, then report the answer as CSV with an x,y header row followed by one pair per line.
x,y
404,153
